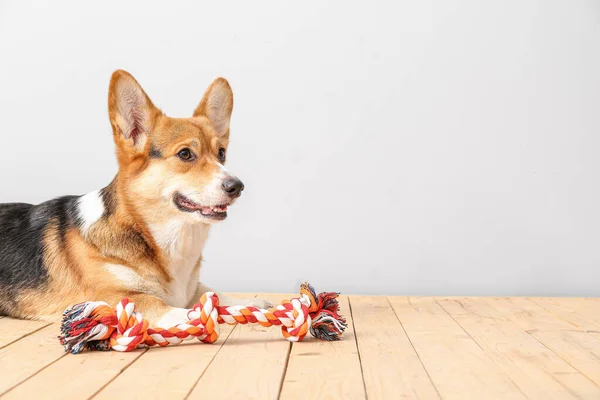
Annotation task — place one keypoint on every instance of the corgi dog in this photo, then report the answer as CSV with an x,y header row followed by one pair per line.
x,y
141,236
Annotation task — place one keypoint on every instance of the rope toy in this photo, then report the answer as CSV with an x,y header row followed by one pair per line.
x,y
94,325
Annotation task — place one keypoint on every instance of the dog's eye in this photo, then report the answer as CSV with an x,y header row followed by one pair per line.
x,y
186,155
222,154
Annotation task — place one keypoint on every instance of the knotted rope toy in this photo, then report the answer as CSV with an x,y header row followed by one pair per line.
x,y
95,325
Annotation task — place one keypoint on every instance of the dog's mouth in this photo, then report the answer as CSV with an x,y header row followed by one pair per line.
x,y
216,212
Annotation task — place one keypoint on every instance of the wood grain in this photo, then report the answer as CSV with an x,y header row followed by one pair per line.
x,y
390,364
169,372
250,365
580,349
537,371
325,370
12,329
75,376
29,355
458,366
582,314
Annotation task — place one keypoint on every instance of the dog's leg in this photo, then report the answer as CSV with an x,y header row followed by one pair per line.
x,y
156,311
229,301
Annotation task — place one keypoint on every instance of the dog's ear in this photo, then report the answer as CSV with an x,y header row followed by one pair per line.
x,y
132,114
217,105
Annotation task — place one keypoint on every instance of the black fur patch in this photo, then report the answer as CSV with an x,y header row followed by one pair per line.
x,y
155,153
22,229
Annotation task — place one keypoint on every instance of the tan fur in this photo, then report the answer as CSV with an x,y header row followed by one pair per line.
x,y
122,239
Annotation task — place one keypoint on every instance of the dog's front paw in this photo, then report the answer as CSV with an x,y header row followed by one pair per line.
x,y
259,303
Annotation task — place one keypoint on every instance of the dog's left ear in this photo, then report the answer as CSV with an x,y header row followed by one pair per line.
x,y
217,105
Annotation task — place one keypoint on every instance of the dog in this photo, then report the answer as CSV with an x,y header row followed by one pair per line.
x,y
141,236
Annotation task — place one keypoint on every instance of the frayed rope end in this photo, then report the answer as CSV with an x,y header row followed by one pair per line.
x,y
87,326
326,323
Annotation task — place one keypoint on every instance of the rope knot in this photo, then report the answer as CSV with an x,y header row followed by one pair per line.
x,y
132,329
206,314
299,316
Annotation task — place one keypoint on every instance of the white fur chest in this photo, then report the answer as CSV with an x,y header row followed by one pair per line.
x,y
183,244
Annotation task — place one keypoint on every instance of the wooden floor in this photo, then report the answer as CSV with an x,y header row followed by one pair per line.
x,y
395,347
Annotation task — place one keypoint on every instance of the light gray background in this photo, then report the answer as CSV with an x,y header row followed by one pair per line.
x,y
400,147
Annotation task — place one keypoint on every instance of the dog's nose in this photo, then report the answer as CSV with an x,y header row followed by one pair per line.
x,y
233,187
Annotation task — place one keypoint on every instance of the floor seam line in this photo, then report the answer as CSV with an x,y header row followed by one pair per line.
x,y
413,347
362,372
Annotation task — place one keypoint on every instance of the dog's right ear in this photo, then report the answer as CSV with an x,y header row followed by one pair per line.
x,y
132,114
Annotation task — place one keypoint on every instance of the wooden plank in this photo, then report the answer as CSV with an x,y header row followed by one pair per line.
x,y
250,365
29,355
580,349
76,376
391,367
537,371
325,370
582,314
458,367
12,329
590,309
169,372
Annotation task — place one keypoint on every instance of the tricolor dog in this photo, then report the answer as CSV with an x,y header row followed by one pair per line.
x,y
142,235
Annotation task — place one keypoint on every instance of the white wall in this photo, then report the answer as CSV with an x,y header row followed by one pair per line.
x,y
401,147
